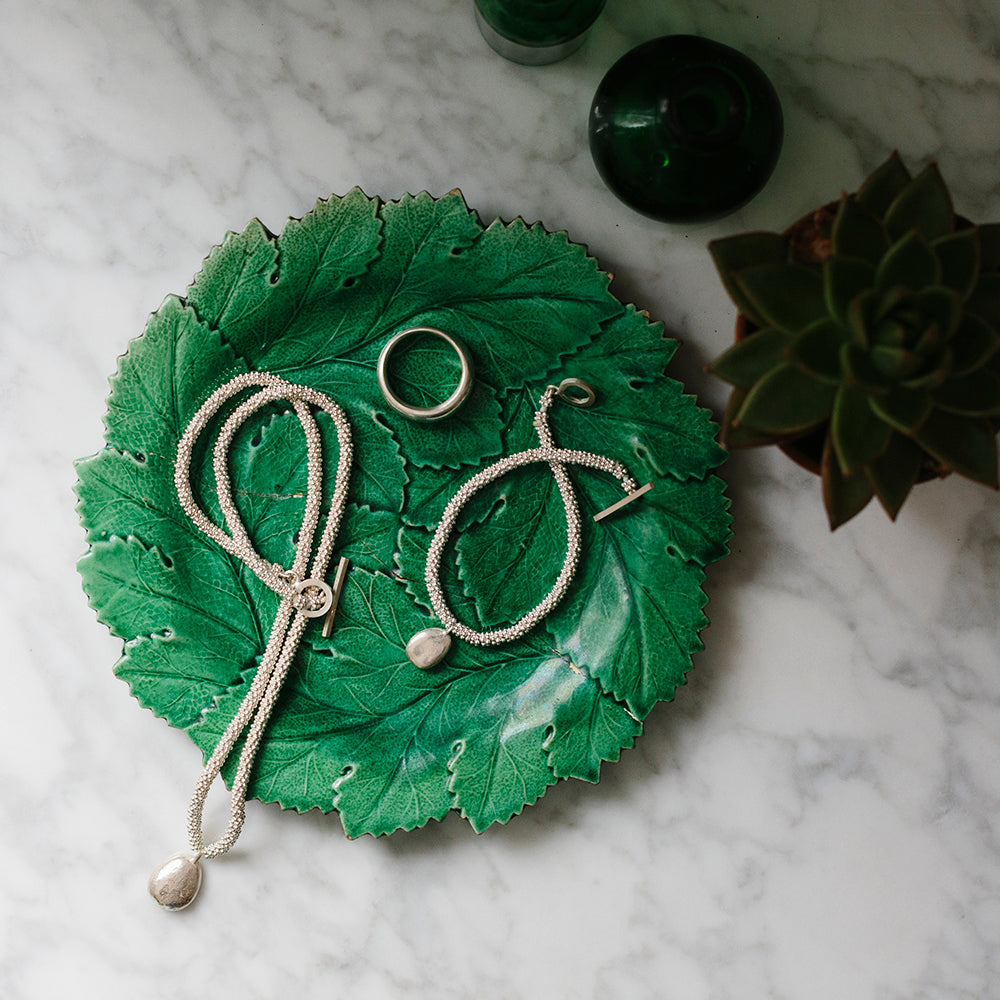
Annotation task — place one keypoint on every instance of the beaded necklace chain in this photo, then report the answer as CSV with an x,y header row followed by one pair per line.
x,y
303,595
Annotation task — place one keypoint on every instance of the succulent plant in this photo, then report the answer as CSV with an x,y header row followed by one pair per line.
x,y
872,338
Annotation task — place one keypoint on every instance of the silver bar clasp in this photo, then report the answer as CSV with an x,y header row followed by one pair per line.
x,y
634,495
338,586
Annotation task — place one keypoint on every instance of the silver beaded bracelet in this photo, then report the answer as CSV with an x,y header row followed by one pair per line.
x,y
428,646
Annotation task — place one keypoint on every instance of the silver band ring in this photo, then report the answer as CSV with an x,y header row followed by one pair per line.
x,y
452,403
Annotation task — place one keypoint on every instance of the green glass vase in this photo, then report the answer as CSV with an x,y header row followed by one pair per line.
x,y
536,32
684,129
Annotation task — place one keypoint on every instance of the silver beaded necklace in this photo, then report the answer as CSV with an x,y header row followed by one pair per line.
x,y
175,883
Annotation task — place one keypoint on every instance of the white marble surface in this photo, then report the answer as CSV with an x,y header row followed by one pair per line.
x,y
816,816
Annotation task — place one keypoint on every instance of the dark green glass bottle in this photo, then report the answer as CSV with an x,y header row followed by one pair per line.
x,y
535,32
684,129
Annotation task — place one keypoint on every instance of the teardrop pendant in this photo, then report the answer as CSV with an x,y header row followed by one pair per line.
x,y
427,647
176,882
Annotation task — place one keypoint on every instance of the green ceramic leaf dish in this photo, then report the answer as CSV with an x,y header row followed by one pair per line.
x,y
357,727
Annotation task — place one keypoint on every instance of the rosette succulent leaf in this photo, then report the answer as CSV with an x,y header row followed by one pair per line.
x,y
870,341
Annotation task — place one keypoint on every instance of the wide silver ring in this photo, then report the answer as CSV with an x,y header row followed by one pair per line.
x,y
452,403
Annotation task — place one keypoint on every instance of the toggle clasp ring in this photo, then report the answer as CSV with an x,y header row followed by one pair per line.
x,y
326,593
576,392
452,403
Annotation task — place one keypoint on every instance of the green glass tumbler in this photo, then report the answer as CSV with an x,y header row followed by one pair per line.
x,y
684,129
536,32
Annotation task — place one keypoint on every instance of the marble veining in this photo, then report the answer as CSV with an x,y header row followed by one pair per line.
x,y
816,813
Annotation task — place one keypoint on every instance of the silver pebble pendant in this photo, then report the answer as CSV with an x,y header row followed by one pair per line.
x,y
427,647
176,882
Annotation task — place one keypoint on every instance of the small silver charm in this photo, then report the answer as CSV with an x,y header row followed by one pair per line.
x,y
428,647
176,882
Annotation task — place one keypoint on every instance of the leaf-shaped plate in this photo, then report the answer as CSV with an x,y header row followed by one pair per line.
x,y
358,728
